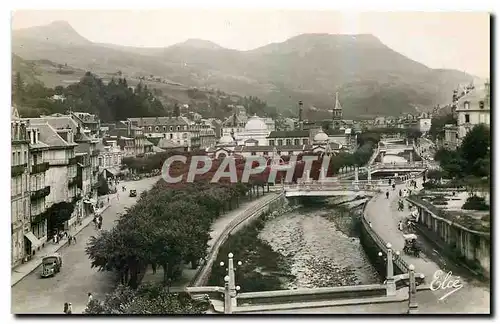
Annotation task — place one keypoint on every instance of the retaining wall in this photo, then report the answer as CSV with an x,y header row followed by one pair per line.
x,y
455,240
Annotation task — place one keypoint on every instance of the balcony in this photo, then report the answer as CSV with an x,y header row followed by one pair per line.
x,y
40,193
17,170
76,198
40,168
35,219
74,181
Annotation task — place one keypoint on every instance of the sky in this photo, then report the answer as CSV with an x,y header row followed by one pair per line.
x,y
453,40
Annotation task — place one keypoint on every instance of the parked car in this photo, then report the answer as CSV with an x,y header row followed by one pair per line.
x,y
133,193
51,265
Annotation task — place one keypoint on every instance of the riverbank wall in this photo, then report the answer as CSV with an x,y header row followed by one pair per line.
x,y
274,202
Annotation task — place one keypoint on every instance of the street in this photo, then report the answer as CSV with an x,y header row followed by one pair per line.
x,y
36,295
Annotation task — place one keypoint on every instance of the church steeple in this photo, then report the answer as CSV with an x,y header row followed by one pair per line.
x,y
337,112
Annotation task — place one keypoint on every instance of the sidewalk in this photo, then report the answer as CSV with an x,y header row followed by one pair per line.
x,y
21,271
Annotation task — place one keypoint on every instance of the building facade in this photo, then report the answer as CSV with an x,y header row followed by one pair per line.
x,y
22,238
473,109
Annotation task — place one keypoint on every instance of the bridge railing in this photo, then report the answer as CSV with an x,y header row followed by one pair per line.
x,y
360,186
399,262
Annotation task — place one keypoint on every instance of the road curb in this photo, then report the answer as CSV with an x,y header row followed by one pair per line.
x,y
38,262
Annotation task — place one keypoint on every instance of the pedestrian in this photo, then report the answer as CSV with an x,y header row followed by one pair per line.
x,y
390,182
108,200
100,218
69,239
400,193
393,186
54,239
370,224
90,297
74,239
70,309
99,225
387,195
66,307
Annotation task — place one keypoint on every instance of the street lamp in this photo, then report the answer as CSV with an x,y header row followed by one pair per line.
x,y
231,289
390,258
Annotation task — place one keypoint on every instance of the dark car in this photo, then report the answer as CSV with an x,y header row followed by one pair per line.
x,y
133,193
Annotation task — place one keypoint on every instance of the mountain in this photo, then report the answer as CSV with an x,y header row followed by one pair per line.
x,y
371,78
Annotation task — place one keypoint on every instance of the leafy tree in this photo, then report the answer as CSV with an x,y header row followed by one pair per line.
x,y
103,187
475,146
147,299
57,214
438,123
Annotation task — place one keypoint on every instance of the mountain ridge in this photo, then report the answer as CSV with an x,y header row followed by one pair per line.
x,y
371,77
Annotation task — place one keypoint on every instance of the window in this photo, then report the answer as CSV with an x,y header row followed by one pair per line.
x,y
25,157
288,142
178,128
481,104
171,136
19,158
271,142
149,128
171,128
14,158
466,105
280,142
467,118
156,128
164,128
296,141
305,141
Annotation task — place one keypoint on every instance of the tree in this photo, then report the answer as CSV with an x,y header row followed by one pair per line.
x,y
147,299
475,146
57,214
103,187
438,123
177,110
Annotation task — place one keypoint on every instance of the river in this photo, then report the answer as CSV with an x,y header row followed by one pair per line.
x,y
320,247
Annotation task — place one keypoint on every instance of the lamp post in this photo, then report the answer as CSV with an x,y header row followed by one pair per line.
x,y
231,289
390,282
412,291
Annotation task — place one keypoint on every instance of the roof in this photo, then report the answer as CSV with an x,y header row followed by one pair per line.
x,y
49,136
153,121
166,143
82,148
292,133
61,122
156,149
240,119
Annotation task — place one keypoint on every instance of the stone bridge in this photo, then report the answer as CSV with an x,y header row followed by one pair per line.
x,y
338,188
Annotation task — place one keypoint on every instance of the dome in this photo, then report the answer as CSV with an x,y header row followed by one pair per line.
x,y
255,124
226,139
321,137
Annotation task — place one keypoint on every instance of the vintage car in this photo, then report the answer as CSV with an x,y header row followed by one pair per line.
x,y
133,193
51,265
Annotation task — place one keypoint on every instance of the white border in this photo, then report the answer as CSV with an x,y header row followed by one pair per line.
x,y
379,5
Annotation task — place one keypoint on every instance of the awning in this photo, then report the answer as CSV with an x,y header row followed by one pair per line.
x,y
34,241
113,171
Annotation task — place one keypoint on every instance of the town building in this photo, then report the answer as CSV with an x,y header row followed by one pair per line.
x,y
87,121
23,242
130,133
473,109
86,142
424,122
319,144
179,129
38,186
